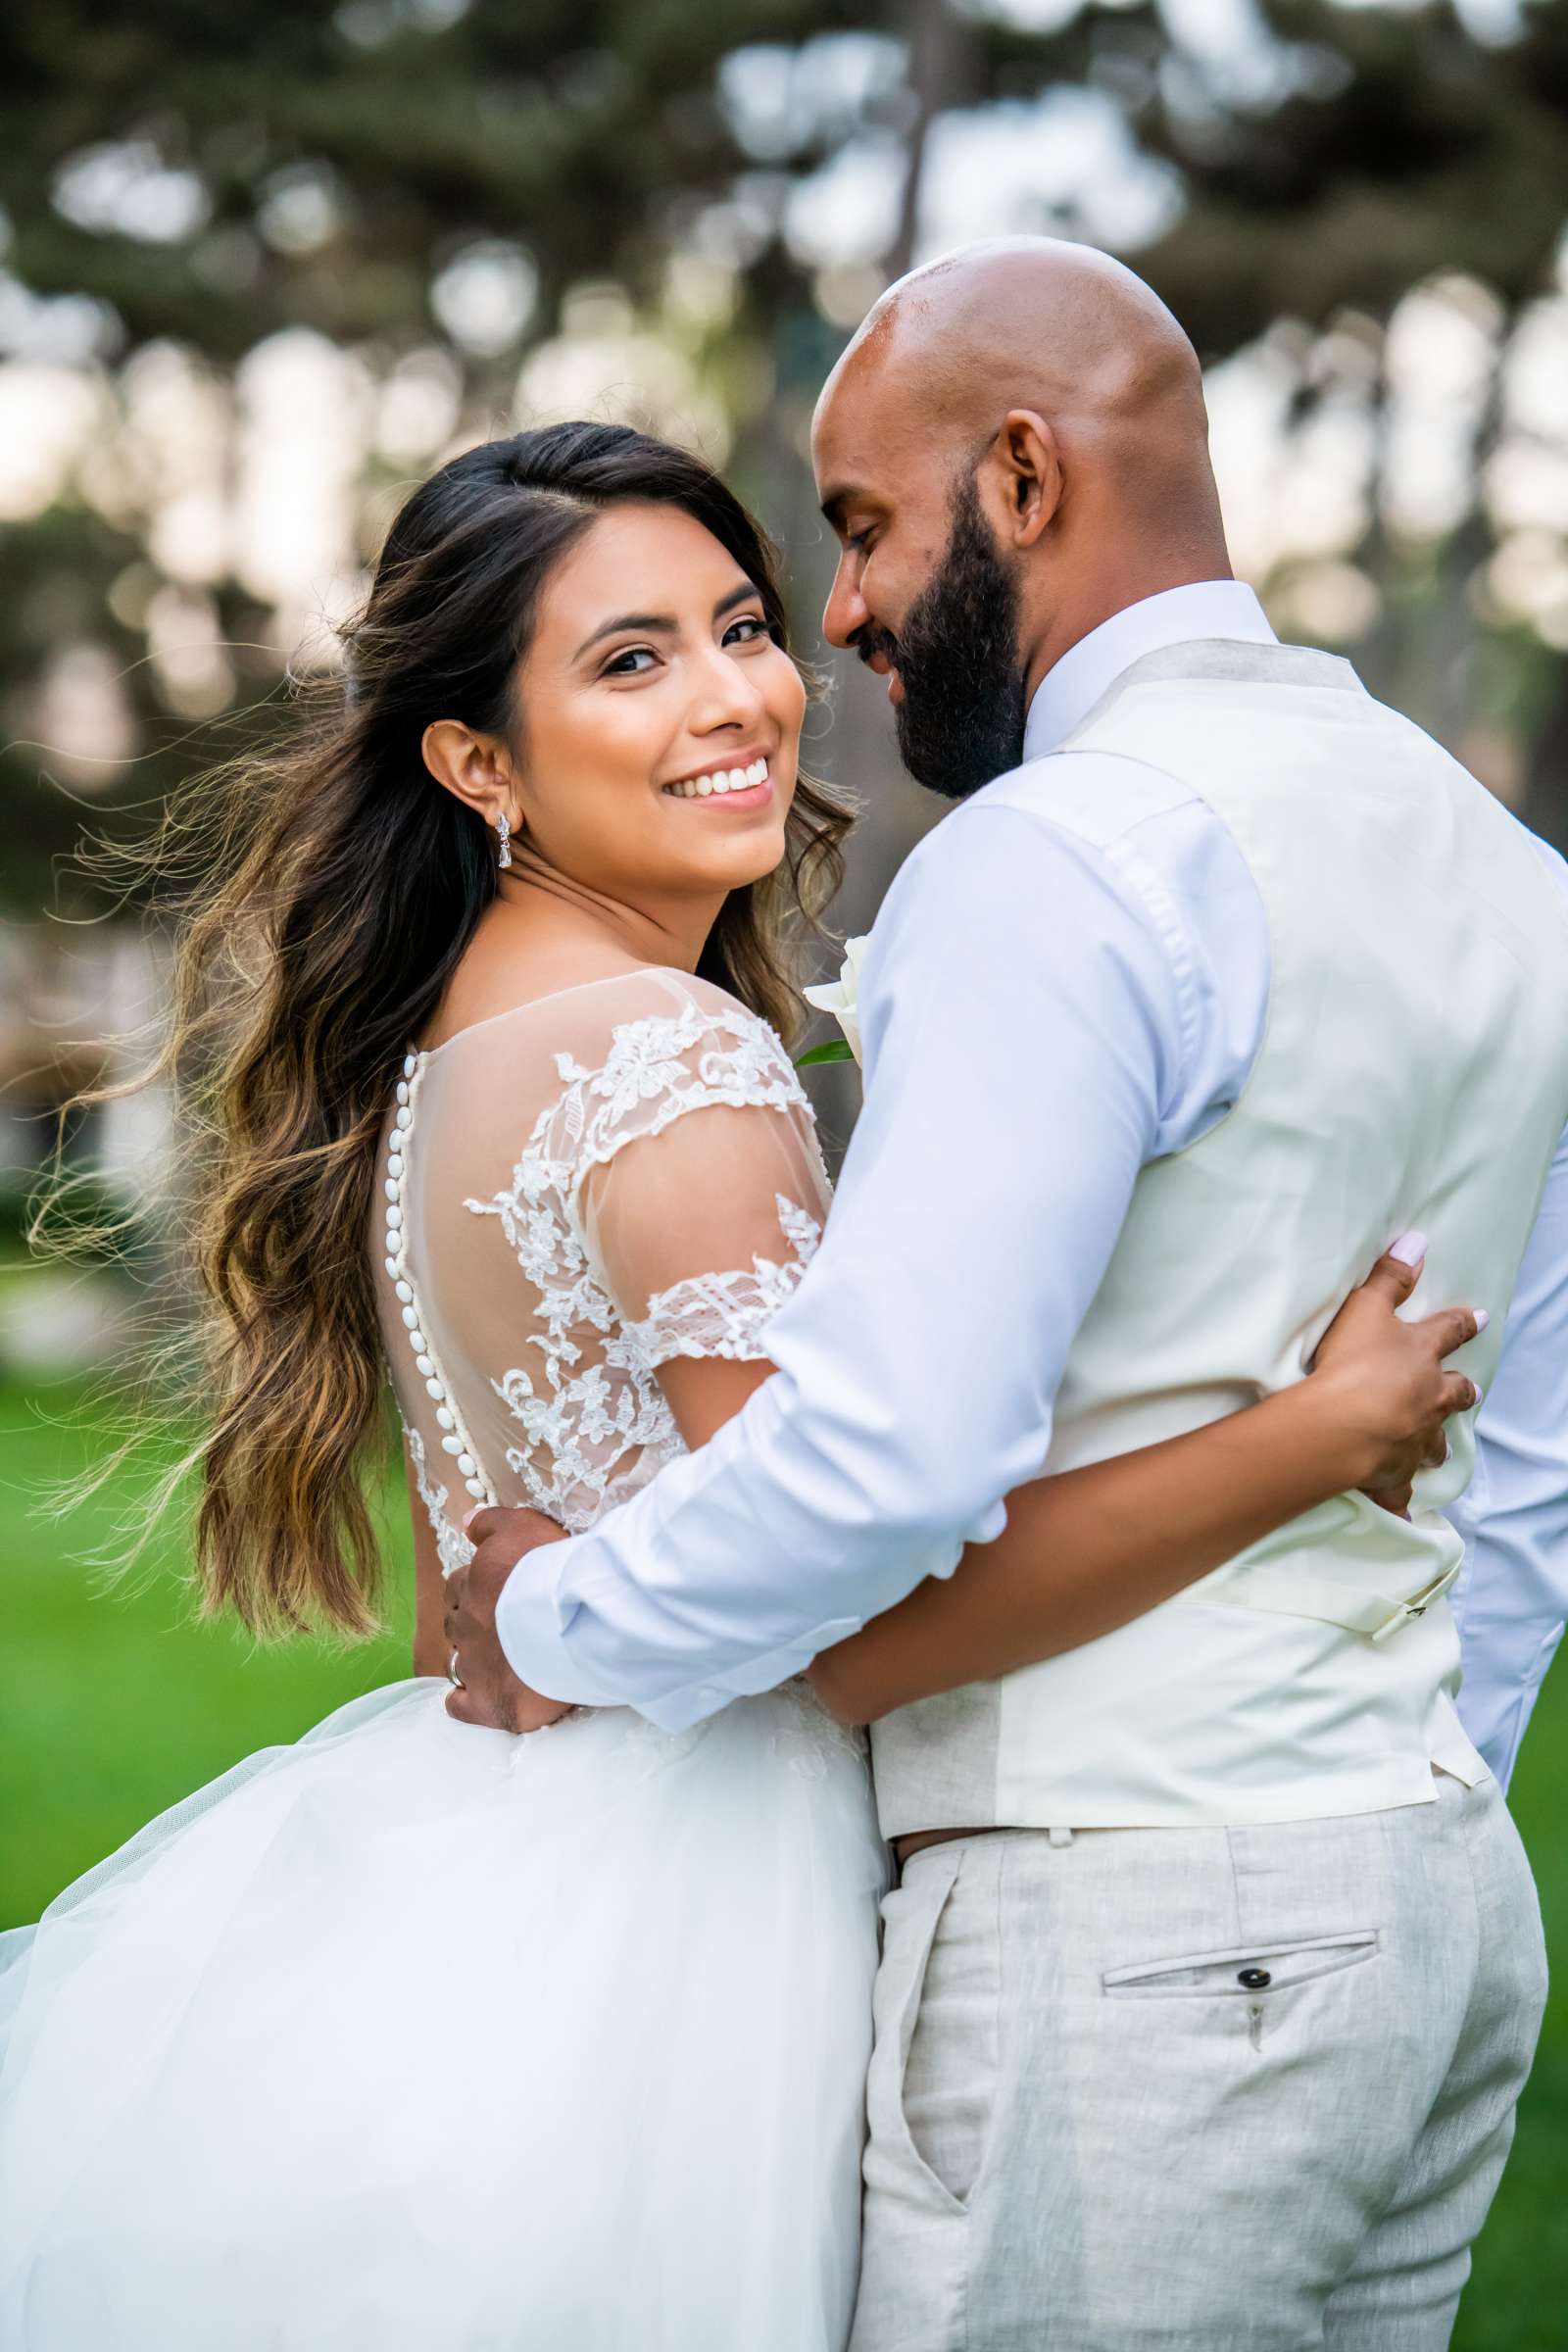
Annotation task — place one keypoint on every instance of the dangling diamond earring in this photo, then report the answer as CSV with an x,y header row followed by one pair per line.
x,y
504,836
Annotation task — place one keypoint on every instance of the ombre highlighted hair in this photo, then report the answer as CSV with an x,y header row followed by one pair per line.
x,y
323,895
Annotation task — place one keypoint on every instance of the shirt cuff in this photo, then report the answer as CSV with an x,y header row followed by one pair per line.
x,y
674,1710
534,1637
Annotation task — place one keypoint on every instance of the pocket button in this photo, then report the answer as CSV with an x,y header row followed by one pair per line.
x,y
1255,1980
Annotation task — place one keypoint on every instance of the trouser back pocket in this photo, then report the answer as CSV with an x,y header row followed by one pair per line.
x,y
1245,1970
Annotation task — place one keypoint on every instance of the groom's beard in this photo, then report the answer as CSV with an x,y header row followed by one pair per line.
x,y
960,722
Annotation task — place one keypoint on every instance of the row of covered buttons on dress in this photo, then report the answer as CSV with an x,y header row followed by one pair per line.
x,y
454,1436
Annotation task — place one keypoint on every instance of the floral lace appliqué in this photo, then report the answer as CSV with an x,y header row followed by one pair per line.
x,y
728,1314
452,1549
808,1737
741,1062
591,1431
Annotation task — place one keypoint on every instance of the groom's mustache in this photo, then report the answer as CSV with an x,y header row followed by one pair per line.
x,y
872,641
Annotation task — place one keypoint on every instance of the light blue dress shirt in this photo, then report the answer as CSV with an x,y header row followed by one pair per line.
x,y
1047,1004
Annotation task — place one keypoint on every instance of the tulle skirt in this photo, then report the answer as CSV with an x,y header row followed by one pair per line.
x,y
413,2036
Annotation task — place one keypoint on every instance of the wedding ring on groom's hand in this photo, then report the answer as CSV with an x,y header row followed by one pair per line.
x,y
453,1675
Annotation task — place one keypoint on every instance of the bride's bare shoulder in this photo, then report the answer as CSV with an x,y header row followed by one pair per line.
x,y
512,966
485,987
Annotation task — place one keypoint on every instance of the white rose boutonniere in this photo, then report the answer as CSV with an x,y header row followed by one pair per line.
x,y
842,999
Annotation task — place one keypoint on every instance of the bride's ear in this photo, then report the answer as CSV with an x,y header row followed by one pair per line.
x,y
475,769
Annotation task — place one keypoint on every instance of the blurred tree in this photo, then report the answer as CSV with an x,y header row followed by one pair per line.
x,y
435,181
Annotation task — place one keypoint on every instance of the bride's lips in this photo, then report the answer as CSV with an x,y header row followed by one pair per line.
x,y
744,783
895,687
754,796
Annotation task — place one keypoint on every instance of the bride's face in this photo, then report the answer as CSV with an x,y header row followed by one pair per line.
x,y
660,723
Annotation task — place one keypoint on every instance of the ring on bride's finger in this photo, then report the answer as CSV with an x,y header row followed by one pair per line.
x,y
453,1675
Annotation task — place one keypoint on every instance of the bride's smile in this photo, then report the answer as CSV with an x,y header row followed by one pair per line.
x,y
747,785
655,700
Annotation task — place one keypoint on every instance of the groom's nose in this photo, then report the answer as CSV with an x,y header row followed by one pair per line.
x,y
846,612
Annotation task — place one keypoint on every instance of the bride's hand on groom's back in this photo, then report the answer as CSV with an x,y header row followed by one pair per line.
x,y
1390,1378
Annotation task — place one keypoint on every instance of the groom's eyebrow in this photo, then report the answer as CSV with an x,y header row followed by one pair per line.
x,y
664,623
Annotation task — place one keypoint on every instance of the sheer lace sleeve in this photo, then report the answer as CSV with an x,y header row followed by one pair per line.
x,y
699,1227
575,1192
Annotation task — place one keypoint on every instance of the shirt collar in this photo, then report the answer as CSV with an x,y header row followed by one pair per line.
x,y
1069,691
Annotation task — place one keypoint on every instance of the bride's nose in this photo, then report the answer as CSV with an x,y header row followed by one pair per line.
x,y
723,694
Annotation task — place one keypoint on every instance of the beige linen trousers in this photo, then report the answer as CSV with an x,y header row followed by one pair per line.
x,y
1196,2090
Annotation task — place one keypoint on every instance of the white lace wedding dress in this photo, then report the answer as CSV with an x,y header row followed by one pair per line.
x,y
416,2036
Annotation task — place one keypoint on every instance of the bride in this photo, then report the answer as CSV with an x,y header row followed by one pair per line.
x,y
389,2039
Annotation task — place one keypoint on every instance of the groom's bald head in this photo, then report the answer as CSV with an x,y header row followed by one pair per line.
x,y
1031,411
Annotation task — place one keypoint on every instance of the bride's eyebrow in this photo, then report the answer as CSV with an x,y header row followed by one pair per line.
x,y
664,623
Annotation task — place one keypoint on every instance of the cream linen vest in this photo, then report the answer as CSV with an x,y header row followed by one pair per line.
x,y
1413,1072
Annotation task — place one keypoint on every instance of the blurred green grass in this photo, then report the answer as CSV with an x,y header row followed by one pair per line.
x,y
115,1702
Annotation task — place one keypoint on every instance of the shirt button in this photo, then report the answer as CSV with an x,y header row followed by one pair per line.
x,y
1256,1979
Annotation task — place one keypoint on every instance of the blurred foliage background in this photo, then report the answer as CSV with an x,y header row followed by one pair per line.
x,y
260,269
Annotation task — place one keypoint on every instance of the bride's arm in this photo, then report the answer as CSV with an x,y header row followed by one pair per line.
x,y
1087,1551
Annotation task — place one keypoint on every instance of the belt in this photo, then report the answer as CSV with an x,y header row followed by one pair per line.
x,y
904,1847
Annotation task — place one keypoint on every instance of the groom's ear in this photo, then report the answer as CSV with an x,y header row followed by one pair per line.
x,y
1024,466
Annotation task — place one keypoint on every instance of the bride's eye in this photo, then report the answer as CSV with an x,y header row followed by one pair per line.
x,y
617,669
748,621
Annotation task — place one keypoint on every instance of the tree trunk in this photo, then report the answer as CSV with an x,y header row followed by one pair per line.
x,y
944,58
1546,806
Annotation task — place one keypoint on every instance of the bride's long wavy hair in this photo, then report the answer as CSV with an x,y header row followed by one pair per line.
x,y
337,886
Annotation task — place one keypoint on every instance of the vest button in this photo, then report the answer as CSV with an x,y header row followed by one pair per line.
x,y
1254,1979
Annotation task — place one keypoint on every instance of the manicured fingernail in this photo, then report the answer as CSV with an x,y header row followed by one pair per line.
x,y
1482,1319
1481,1398
472,1512
1410,1248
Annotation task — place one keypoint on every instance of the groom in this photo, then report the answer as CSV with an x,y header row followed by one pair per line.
x,y
1215,1968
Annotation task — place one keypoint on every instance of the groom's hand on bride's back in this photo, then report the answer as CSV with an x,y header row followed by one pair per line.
x,y
485,1690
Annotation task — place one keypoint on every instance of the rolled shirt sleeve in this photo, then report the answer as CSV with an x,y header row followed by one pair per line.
x,y
1512,1598
1027,1020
